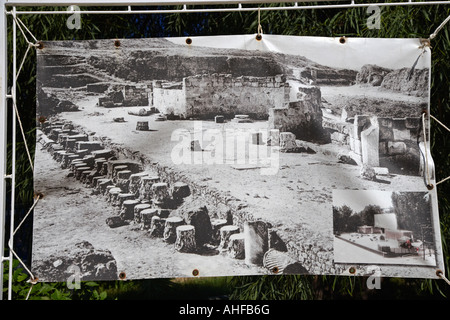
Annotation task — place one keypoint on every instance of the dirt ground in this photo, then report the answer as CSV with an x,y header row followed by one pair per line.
x,y
298,196
69,214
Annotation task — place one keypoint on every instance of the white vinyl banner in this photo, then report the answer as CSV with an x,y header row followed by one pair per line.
x,y
232,155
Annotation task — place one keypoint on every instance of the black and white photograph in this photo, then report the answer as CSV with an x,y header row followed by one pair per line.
x,y
383,227
231,155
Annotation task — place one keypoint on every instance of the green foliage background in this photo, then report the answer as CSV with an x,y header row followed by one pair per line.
x,y
396,22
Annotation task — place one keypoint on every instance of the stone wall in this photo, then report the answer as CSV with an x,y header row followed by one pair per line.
x,y
169,98
383,142
302,117
406,80
119,95
415,83
372,75
398,144
222,94
205,96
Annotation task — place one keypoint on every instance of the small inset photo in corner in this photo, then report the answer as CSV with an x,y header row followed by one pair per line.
x,y
383,227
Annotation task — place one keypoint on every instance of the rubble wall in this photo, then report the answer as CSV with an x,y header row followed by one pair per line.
x,y
411,81
302,117
415,83
397,140
119,95
170,100
222,94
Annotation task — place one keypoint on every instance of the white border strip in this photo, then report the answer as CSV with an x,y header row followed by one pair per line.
x,y
3,133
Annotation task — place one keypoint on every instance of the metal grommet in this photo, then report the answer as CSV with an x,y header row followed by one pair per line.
x,y
33,281
195,272
342,40
430,186
424,43
38,195
122,275
352,270
116,43
40,45
439,272
42,119
275,270
188,40
258,37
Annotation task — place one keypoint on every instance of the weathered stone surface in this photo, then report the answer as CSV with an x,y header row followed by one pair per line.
x,y
274,137
116,170
122,180
106,153
256,241
370,144
287,141
163,213
216,224
79,171
145,189
133,166
137,211
275,242
199,218
225,233
302,117
339,138
95,264
412,123
346,158
102,184
121,197
89,145
219,119
367,172
402,80
135,182
385,122
185,239
180,190
236,246
127,209
395,148
160,192
386,134
115,222
157,226
371,75
112,194
142,126
170,226
146,216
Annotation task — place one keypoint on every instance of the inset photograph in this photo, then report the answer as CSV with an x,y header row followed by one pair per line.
x,y
383,227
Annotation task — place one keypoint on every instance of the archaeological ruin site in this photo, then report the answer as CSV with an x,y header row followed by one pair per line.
x,y
156,159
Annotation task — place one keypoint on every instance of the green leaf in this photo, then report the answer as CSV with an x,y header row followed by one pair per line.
x,y
91,284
